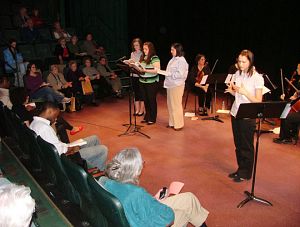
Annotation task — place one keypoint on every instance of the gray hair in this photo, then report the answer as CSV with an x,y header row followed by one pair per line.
x,y
126,166
16,206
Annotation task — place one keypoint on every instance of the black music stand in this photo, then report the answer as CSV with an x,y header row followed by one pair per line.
x,y
132,128
215,79
258,110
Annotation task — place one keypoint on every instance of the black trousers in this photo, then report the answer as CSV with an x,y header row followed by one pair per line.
x,y
61,127
204,99
243,133
289,126
149,92
136,86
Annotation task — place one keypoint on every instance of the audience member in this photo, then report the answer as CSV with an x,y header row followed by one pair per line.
x,y
93,152
141,208
74,47
36,19
62,52
20,20
29,33
37,88
92,48
58,32
4,92
110,76
58,82
16,206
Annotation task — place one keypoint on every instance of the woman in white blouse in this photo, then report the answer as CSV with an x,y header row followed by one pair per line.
x,y
175,77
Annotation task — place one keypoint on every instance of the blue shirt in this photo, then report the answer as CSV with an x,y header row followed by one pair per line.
x,y
177,70
141,209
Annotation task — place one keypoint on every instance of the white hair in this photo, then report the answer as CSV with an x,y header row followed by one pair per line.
x,y
126,166
16,206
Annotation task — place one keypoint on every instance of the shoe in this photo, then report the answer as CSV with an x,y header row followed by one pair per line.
x,y
140,114
178,129
144,121
233,175
136,114
169,126
65,100
150,123
240,179
73,132
282,141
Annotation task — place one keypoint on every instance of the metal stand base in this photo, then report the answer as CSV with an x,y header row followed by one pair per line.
x,y
132,129
250,197
214,118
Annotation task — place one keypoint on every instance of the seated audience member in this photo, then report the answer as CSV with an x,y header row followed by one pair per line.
x,y
289,125
29,33
37,88
20,20
25,112
92,48
74,47
110,76
58,32
93,152
36,19
141,208
4,91
58,82
16,206
62,52
76,76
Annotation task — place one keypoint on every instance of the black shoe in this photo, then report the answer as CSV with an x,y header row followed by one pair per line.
x,y
169,126
233,175
282,141
150,123
136,114
140,114
240,179
144,121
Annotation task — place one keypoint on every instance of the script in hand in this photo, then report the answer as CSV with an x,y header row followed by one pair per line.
x,y
135,65
174,188
79,142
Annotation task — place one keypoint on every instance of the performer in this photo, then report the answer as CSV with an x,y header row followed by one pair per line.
x,y
289,126
295,80
177,71
247,88
194,79
149,81
135,56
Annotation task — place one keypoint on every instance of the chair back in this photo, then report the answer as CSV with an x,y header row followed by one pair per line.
x,y
109,205
62,181
78,178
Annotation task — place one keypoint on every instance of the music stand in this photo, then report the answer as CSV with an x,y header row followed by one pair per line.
x,y
215,79
260,111
132,128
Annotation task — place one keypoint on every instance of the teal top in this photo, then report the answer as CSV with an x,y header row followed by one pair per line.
x,y
150,77
141,209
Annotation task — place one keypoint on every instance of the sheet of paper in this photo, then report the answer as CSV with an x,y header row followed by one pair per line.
x,y
174,188
79,142
286,111
189,114
162,72
223,111
276,130
228,78
203,81
265,90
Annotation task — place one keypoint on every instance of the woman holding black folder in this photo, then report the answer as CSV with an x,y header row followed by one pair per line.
x,y
248,88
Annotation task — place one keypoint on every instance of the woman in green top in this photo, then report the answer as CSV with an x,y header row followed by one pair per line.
x,y
149,81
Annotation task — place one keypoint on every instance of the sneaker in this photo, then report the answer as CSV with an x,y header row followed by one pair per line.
x,y
65,100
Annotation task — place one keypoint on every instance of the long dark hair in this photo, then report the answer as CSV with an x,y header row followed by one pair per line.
x,y
29,67
250,56
198,57
151,53
179,49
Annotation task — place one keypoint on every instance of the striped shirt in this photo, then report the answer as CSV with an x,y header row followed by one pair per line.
x,y
150,77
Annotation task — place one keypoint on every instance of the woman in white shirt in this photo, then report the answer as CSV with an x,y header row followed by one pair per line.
x,y
247,88
176,75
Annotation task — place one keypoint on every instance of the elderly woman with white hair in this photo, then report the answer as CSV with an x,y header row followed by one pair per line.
x,y
16,206
141,208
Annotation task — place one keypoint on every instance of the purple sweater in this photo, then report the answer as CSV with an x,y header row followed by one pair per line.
x,y
33,83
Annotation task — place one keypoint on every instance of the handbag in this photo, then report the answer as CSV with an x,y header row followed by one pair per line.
x,y
87,88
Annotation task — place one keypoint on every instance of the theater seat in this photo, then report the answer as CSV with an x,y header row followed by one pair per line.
x,y
78,178
109,205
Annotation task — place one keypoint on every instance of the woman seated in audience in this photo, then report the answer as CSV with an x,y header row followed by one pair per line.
x,y
58,32
92,48
74,47
25,112
36,19
110,76
76,77
58,82
38,89
141,208
62,51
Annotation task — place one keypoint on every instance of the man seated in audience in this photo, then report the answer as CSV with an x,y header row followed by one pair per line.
x,y
289,126
16,206
62,51
58,32
29,33
110,76
92,48
20,20
4,91
93,152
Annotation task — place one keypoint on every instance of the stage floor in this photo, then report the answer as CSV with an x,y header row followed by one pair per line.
x,y
201,156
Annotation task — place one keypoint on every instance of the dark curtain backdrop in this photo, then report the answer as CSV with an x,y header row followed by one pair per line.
x,y
221,29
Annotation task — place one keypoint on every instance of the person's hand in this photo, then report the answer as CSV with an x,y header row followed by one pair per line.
x,y
98,76
229,88
72,150
44,84
113,76
242,90
87,78
197,84
294,96
282,97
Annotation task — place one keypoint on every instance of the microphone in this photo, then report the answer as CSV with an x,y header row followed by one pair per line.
x,y
122,58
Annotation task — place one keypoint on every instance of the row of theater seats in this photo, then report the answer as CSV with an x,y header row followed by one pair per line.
x,y
75,184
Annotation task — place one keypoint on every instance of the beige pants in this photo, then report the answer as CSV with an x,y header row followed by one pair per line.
x,y
174,102
187,209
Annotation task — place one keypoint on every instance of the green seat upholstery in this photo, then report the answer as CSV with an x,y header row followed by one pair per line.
x,y
78,178
109,205
43,50
27,51
5,22
62,181
45,34
11,33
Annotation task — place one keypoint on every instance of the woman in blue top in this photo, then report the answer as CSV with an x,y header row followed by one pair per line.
x,y
141,208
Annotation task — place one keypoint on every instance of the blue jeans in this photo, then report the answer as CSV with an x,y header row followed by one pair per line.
x,y
94,153
47,93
